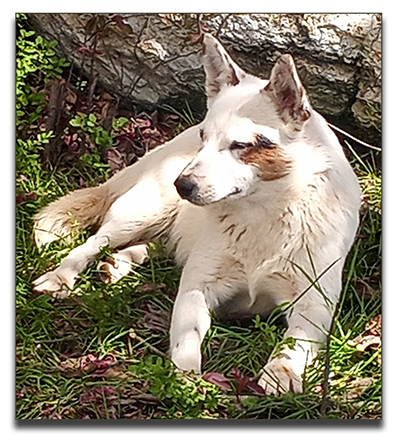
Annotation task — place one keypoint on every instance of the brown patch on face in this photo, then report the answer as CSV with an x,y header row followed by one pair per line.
x,y
268,159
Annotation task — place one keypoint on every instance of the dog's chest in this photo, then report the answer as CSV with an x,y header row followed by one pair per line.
x,y
257,238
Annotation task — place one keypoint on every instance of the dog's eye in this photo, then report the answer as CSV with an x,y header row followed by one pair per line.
x,y
261,141
239,145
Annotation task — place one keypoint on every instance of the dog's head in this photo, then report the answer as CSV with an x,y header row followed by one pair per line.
x,y
249,124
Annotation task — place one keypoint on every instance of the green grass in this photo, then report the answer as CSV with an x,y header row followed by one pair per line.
x,y
102,353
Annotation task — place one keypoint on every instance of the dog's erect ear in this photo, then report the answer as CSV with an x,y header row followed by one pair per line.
x,y
219,67
287,92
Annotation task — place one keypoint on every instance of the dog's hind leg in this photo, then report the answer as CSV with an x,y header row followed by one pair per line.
x,y
119,264
142,214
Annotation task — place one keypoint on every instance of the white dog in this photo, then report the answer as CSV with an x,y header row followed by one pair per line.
x,y
258,203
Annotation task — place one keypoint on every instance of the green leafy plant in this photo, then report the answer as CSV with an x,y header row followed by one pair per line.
x,y
119,123
182,396
88,124
36,61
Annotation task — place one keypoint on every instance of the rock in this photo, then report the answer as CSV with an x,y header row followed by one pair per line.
x,y
155,59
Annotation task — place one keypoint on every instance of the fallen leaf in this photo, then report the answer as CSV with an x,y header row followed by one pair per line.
x,y
101,398
357,387
88,364
253,386
371,337
218,379
240,380
25,197
71,96
155,319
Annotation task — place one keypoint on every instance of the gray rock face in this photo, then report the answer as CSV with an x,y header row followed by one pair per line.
x,y
154,59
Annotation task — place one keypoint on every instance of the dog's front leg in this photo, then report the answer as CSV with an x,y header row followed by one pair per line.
x,y
308,321
190,322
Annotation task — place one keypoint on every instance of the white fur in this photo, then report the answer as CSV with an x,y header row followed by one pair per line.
x,y
245,245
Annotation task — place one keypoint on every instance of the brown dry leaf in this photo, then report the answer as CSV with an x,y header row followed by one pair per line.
x,y
357,387
116,160
71,96
218,379
375,324
88,364
371,337
100,397
155,319
365,290
117,371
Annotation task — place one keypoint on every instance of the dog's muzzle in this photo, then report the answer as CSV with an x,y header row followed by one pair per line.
x,y
186,188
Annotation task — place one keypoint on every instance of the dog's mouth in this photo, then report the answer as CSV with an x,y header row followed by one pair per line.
x,y
190,191
234,192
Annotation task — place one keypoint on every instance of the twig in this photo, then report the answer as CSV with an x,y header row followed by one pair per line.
x,y
354,138
56,104
107,124
92,87
143,398
222,24
135,336
199,26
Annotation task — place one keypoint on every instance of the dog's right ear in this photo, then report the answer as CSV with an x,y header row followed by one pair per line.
x,y
219,67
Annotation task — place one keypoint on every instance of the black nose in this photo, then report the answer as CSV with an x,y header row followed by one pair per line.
x,y
185,187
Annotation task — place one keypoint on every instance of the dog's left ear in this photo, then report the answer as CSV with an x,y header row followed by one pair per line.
x,y
219,67
287,93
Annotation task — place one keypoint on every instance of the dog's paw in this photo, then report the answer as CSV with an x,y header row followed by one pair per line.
x,y
53,284
186,355
278,377
112,270
121,263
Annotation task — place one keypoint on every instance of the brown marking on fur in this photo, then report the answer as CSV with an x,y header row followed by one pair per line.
x,y
230,229
282,355
241,234
222,218
269,161
282,275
